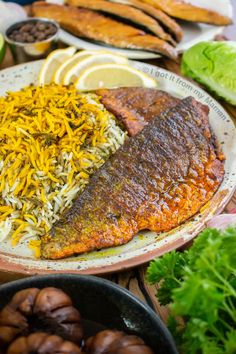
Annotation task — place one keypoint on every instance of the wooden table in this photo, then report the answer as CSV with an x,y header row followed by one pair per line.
x,y
134,279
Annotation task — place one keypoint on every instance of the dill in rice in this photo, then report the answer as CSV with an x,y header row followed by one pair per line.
x,y
52,139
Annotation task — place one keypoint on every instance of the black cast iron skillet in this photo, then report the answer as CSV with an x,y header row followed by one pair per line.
x,y
102,305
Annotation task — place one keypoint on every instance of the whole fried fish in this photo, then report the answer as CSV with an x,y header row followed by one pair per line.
x,y
156,180
189,12
95,26
166,21
124,12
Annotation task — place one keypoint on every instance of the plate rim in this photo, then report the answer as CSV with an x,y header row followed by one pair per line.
x,y
120,266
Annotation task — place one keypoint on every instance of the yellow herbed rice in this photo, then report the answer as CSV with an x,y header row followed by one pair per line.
x,y
52,139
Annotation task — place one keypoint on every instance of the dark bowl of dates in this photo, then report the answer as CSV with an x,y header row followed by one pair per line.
x,y
32,39
104,308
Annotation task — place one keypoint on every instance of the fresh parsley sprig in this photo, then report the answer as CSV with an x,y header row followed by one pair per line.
x,y
200,286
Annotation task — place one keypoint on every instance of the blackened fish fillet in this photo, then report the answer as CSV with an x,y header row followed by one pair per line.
x,y
156,180
134,107
90,24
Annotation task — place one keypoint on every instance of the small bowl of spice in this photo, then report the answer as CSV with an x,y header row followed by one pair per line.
x,y
32,39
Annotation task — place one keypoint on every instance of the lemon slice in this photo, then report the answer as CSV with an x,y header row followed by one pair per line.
x,y
111,76
53,61
70,63
73,74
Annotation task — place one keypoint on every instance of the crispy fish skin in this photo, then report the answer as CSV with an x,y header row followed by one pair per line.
x,y
134,107
127,12
189,12
159,15
93,25
156,180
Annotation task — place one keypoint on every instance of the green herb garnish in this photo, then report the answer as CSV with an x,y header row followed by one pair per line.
x,y
200,286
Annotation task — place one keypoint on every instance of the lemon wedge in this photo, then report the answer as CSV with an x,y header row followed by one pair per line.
x,y
112,75
52,63
103,58
70,63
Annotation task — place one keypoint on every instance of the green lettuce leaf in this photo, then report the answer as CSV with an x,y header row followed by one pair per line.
x,y
213,64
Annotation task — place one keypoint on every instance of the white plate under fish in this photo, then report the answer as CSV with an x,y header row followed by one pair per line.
x,y
146,245
193,32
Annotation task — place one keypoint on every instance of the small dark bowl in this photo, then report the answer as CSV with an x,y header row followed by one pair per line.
x,y
102,304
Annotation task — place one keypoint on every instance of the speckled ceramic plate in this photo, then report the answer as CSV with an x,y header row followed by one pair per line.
x,y
193,32
146,245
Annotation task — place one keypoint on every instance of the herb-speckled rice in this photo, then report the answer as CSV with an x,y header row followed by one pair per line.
x,y
51,140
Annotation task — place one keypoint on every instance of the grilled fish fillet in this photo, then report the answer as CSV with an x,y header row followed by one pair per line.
x,y
134,107
186,11
156,180
168,23
126,12
92,25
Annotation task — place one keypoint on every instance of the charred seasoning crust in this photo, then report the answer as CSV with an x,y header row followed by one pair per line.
x,y
134,107
31,310
156,180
